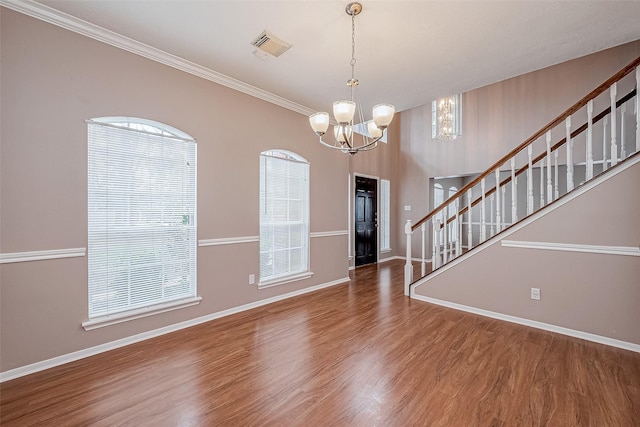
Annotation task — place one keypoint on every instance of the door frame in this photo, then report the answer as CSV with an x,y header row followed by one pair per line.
x,y
352,217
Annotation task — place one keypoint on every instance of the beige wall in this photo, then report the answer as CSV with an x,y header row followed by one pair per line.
x,y
593,293
52,81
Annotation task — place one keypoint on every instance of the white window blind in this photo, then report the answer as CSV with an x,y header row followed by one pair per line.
x,y
385,208
284,215
141,215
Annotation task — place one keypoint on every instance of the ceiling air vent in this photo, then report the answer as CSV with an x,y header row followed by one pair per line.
x,y
270,44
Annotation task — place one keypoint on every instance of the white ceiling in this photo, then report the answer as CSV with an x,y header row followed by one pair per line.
x,y
408,52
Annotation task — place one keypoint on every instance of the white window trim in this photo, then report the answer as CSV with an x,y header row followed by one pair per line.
x,y
125,316
286,279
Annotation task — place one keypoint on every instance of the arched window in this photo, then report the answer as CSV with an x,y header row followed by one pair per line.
x,y
141,217
284,217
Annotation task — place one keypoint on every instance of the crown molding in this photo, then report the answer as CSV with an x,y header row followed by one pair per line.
x,y
79,26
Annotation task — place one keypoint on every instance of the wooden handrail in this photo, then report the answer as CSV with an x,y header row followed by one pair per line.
x,y
575,107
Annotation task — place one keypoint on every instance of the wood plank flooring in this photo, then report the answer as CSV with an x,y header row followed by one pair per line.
x,y
357,354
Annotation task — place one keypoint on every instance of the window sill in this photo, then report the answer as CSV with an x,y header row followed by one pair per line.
x,y
384,251
108,320
286,279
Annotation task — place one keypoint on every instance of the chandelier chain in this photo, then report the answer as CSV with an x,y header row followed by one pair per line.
x,y
353,45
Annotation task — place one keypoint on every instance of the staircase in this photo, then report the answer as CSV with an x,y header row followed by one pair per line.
x,y
587,141
557,217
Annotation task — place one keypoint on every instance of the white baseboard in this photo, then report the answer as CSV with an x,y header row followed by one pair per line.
x,y
81,354
532,323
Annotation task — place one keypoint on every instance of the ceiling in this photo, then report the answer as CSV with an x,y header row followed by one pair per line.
x,y
408,52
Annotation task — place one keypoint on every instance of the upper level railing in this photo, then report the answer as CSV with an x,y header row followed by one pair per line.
x,y
524,182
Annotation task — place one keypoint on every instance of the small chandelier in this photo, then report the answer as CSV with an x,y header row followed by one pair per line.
x,y
344,111
447,118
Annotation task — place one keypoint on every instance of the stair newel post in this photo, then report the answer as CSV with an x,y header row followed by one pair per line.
x,y
483,211
623,150
637,109
556,188
514,192
435,255
423,264
605,124
569,144
614,143
408,267
498,202
530,181
589,174
549,183
458,226
470,227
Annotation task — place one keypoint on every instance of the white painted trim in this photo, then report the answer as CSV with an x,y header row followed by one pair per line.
x,y
329,233
252,239
71,23
532,323
81,354
114,319
284,280
578,191
7,258
570,247
228,241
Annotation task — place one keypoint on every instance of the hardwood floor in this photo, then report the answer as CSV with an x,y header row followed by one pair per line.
x,y
358,354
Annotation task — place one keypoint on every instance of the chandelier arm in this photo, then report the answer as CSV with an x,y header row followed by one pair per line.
x,y
369,145
336,147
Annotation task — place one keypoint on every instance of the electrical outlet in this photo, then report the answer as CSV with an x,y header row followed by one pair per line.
x,y
252,279
535,293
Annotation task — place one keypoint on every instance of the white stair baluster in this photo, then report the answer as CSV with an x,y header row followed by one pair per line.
x,y
541,182
423,264
514,192
435,255
556,188
483,220
549,183
408,267
470,227
445,236
614,143
458,226
498,205
605,124
589,173
569,144
530,182
623,149
504,213
493,230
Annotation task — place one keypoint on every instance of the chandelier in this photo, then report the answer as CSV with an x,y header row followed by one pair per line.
x,y
447,118
344,111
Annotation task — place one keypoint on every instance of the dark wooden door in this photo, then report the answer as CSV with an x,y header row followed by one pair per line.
x,y
366,224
